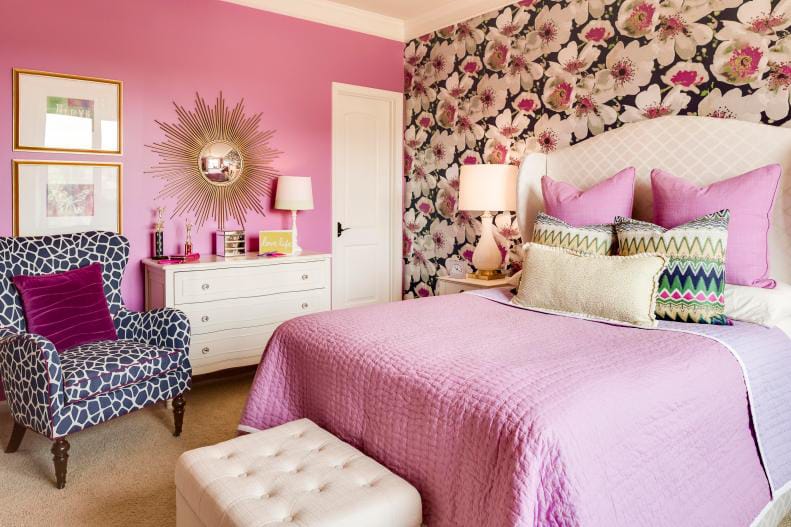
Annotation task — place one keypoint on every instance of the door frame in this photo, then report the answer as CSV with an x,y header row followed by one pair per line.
x,y
396,184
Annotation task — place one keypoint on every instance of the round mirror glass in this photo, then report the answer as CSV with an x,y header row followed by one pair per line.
x,y
220,163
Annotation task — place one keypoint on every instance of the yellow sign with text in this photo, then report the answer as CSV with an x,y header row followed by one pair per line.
x,y
275,242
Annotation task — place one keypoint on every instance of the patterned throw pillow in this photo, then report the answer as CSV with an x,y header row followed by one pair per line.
x,y
692,288
593,239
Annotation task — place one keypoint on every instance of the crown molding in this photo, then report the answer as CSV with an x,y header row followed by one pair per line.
x,y
333,14
450,14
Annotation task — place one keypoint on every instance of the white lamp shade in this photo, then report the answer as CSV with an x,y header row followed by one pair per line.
x,y
488,187
294,193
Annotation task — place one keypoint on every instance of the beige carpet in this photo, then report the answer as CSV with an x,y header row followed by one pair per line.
x,y
120,473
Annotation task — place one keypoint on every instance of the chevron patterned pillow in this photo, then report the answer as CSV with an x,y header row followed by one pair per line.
x,y
692,287
592,239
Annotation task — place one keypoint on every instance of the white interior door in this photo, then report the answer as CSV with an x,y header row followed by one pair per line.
x,y
367,190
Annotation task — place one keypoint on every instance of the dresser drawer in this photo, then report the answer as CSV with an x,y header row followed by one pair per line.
x,y
232,348
244,282
208,317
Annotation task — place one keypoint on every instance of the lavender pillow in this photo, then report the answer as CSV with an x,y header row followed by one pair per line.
x,y
67,308
598,205
749,197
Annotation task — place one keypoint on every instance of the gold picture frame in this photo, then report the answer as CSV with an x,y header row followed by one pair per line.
x,y
19,120
19,202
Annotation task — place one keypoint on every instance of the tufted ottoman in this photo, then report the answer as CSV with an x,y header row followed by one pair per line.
x,y
295,474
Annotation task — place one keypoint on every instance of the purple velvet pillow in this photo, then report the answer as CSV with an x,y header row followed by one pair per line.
x,y
598,205
67,308
749,197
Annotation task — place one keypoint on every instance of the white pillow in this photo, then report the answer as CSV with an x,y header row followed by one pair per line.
x,y
761,306
618,289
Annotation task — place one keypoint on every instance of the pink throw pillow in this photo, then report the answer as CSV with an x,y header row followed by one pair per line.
x,y
68,308
749,197
595,206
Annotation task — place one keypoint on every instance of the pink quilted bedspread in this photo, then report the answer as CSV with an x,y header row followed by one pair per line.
x,y
501,416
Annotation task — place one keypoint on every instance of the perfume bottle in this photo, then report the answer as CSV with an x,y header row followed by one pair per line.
x,y
188,240
159,235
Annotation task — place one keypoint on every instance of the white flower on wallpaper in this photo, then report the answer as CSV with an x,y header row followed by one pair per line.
x,y
539,75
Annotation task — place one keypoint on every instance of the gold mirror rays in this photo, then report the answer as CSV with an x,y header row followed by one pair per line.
x,y
185,171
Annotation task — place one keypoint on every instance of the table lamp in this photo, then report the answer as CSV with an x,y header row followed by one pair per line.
x,y
487,188
294,193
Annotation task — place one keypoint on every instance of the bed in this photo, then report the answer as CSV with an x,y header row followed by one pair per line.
x,y
502,416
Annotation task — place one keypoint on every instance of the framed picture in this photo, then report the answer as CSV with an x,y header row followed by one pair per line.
x,y
61,197
56,112
275,242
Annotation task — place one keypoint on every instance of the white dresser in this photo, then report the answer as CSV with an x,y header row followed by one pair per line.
x,y
234,304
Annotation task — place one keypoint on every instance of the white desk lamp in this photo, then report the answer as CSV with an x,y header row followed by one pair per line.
x,y
487,188
294,193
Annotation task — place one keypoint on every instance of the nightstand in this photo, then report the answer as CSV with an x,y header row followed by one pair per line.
x,y
451,286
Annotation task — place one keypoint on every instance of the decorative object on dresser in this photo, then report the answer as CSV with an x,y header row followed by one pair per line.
x,y
294,193
235,304
451,286
215,162
231,243
487,188
159,235
56,112
58,392
62,197
271,243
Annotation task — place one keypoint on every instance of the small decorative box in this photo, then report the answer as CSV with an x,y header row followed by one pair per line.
x,y
231,243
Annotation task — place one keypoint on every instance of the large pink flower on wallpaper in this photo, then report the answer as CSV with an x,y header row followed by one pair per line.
x,y
590,111
758,17
597,33
651,104
679,32
731,105
774,89
509,24
527,103
552,28
469,130
441,61
492,92
558,93
549,134
741,61
638,18
686,76
467,36
573,60
630,67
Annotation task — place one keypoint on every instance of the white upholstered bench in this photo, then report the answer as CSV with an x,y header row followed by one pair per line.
x,y
295,474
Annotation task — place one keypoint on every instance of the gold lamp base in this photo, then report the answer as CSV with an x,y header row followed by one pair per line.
x,y
487,275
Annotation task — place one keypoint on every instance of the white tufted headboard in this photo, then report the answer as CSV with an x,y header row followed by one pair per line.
x,y
700,149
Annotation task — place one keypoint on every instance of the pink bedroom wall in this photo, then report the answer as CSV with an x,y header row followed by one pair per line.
x,y
165,51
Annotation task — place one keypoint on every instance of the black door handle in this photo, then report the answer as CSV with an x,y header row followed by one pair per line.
x,y
341,229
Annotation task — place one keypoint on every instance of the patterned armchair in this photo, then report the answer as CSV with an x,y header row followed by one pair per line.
x,y
60,393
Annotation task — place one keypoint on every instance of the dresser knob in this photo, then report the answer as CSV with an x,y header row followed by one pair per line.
x,y
304,305
204,318
305,276
205,287
205,350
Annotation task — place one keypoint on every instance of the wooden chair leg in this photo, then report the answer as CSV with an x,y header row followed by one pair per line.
x,y
16,438
178,413
60,455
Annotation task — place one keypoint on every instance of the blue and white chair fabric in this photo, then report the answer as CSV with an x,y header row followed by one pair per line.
x,y
59,393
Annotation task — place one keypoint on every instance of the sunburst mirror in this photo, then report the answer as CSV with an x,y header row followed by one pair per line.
x,y
215,162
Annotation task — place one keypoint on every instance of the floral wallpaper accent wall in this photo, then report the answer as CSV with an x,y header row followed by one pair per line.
x,y
540,75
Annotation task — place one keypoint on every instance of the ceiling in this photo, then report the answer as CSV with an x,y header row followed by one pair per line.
x,y
403,9
400,20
